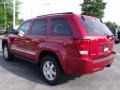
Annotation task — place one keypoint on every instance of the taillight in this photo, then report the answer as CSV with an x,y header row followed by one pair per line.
x,y
83,47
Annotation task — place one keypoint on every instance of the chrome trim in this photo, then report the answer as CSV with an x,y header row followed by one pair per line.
x,y
30,52
24,51
18,49
27,41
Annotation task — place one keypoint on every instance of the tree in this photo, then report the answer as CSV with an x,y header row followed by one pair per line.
x,y
6,12
93,8
111,25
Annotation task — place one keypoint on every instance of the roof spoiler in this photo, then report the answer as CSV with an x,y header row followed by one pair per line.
x,y
57,13
101,20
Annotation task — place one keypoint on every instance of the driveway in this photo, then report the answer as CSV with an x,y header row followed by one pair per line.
x,y
22,75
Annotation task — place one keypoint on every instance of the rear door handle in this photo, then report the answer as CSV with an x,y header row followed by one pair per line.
x,y
41,40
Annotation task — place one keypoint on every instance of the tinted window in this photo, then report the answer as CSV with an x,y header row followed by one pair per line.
x,y
95,27
23,29
60,27
39,27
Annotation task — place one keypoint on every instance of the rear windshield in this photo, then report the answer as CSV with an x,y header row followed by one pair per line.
x,y
94,27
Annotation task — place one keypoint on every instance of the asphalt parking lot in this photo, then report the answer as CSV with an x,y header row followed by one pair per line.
x,y
22,75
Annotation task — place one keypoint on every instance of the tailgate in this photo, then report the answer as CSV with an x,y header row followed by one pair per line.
x,y
100,46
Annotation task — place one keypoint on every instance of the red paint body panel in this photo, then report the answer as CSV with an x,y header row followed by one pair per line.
x,y
35,44
87,65
67,48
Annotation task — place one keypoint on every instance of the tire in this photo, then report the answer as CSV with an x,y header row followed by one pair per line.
x,y
117,42
108,65
50,70
7,54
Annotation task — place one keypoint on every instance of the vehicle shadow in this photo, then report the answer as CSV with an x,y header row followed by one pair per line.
x,y
28,70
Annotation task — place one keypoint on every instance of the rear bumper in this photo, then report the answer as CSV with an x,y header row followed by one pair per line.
x,y
87,65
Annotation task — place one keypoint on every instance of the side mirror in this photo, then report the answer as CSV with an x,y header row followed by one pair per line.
x,y
13,31
10,31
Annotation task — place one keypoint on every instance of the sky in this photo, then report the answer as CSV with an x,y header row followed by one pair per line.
x,y
33,8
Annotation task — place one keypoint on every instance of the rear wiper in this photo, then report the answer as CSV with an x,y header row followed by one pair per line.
x,y
82,17
101,21
108,36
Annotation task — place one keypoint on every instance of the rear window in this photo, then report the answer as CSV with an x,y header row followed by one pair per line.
x,y
94,27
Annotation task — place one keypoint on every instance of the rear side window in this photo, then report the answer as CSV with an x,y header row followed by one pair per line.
x,y
60,27
95,27
39,27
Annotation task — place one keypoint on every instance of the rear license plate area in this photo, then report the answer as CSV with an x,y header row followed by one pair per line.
x,y
105,49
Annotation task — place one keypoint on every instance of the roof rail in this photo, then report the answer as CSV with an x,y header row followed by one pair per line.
x,y
57,13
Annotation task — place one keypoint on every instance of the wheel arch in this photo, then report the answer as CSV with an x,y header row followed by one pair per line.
x,y
54,54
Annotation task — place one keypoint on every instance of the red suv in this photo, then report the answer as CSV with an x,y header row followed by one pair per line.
x,y
62,42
